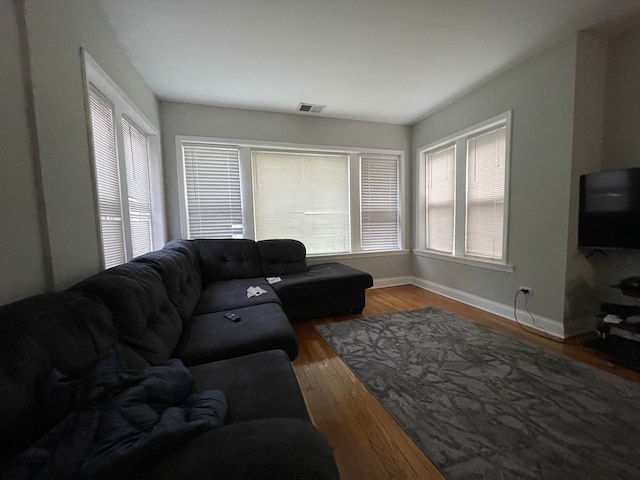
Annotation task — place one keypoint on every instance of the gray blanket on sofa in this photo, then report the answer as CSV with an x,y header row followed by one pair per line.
x,y
121,420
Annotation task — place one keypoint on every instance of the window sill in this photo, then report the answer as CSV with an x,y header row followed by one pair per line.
x,y
354,255
502,267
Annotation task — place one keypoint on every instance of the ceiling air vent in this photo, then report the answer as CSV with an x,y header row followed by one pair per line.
x,y
309,107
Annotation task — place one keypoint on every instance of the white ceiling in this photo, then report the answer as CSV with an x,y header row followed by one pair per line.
x,y
380,60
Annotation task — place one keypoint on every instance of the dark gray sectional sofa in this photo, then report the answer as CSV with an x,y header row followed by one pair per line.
x,y
77,363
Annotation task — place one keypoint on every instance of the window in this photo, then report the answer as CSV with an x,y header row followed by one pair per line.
x,y
303,196
441,198
485,194
335,202
212,186
127,168
107,179
136,159
380,202
123,194
464,188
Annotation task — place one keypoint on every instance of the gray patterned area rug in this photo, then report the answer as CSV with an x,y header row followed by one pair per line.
x,y
482,404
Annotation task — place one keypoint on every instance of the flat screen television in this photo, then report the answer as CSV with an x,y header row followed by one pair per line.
x,y
610,209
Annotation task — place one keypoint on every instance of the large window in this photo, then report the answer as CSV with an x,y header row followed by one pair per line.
x,y
128,196
335,202
303,196
124,199
463,184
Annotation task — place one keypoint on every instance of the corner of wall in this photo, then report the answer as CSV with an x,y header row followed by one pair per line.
x,y
588,130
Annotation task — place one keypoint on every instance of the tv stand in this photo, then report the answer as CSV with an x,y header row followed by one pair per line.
x,y
620,320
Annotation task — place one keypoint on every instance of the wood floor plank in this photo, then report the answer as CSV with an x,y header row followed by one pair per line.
x,y
367,442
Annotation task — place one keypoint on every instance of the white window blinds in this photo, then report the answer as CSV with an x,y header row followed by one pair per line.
x,y
380,205
138,187
212,181
440,194
485,194
107,179
304,196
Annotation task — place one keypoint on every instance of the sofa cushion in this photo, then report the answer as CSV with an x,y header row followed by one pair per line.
x,y
142,312
229,294
282,257
260,385
227,259
67,331
270,449
213,337
182,282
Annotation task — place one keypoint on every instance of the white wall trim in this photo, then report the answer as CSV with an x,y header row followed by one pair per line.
x,y
391,282
501,267
334,257
541,323
108,87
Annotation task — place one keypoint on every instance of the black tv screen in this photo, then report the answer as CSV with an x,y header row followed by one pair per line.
x,y
610,209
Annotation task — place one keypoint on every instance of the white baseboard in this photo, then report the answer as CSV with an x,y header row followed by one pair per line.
x,y
392,282
538,322
576,326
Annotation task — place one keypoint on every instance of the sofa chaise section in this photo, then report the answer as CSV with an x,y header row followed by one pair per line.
x,y
323,290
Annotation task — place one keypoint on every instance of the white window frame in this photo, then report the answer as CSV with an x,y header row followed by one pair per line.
x,y
245,148
460,140
124,106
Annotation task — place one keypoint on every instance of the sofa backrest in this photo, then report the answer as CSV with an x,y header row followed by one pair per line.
x,y
228,259
144,316
180,275
68,331
282,257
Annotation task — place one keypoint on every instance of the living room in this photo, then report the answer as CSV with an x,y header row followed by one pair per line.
x,y
574,103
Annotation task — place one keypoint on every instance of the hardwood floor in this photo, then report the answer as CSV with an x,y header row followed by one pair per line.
x,y
368,443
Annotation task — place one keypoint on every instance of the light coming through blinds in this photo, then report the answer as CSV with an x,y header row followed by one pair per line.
x,y
485,194
304,196
138,187
441,199
212,181
107,180
380,205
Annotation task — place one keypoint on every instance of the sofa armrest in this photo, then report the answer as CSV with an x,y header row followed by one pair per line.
x,y
274,448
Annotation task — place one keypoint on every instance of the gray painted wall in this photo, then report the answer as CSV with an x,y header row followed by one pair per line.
x,y
205,121
621,149
56,31
540,92
581,300
21,247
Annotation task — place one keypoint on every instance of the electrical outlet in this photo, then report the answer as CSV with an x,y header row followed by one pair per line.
x,y
526,290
